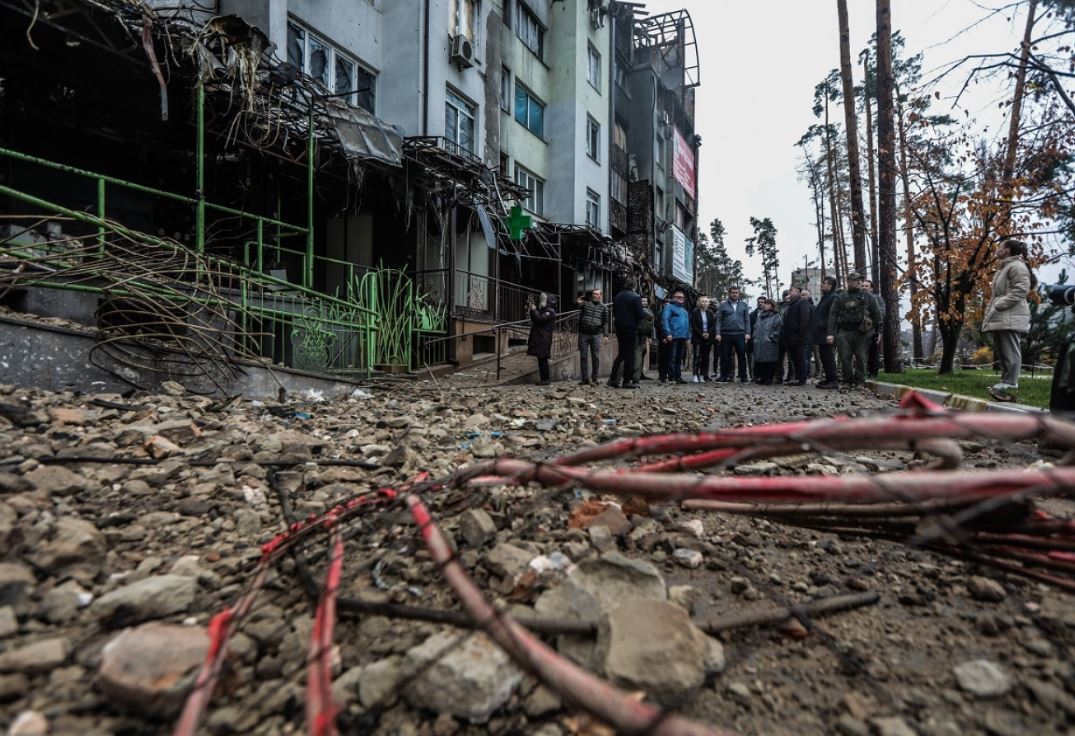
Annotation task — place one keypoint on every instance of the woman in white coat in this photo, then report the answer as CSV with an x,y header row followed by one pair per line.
x,y
1008,315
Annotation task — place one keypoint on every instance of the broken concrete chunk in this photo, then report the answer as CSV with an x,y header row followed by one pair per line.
x,y
652,646
154,597
469,679
40,656
76,549
149,669
477,527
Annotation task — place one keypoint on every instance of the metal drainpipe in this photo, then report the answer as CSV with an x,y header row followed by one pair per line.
x,y
425,68
199,215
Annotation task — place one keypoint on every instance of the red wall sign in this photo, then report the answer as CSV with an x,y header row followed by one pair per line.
x,y
683,165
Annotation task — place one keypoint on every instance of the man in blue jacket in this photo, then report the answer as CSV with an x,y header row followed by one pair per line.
x,y
676,326
627,313
733,332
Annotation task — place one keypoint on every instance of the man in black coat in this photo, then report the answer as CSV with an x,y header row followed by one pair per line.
x,y
627,313
796,336
818,332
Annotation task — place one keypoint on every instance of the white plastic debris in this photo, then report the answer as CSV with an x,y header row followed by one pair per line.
x,y
360,394
255,496
545,563
315,395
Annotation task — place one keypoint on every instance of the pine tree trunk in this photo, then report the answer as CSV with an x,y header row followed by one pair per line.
x,y
886,189
908,226
872,193
834,218
1017,112
858,217
819,209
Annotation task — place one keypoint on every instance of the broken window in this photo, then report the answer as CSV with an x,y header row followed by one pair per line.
x,y
334,70
593,209
593,68
529,30
505,89
530,181
463,19
593,139
619,187
528,111
459,121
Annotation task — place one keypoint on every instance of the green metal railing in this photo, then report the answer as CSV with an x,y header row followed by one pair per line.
x,y
375,323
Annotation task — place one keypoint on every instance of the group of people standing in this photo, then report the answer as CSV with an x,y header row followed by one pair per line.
x,y
777,342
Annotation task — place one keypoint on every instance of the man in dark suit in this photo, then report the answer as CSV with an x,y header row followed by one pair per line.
x,y
627,313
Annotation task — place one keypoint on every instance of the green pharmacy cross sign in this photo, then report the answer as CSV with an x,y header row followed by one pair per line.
x,y
518,223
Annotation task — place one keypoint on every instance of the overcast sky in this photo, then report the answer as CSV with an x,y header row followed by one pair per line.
x,y
759,65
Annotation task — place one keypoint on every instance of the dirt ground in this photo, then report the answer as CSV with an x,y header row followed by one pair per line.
x,y
93,547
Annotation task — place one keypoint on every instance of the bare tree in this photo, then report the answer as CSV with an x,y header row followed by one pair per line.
x,y
886,189
1017,97
858,217
908,225
868,93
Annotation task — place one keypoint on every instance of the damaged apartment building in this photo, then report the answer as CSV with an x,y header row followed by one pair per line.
x,y
192,188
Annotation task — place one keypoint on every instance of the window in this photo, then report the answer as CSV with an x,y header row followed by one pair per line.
x,y
505,89
662,151
593,68
621,75
464,19
593,139
660,203
529,30
593,209
619,187
459,121
504,166
530,181
528,111
619,136
337,72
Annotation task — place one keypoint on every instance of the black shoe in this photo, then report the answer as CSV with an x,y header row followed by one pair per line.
x,y
829,384
744,380
584,383
544,383
610,384
680,380
798,383
631,385
645,378
778,380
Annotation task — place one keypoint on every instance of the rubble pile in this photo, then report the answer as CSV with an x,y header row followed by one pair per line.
x,y
127,524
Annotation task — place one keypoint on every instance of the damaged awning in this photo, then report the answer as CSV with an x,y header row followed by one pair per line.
x,y
364,136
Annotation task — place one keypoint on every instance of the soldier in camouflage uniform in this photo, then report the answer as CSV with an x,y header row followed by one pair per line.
x,y
854,320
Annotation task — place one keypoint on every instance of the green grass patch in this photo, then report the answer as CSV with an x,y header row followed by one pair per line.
x,y
1033,391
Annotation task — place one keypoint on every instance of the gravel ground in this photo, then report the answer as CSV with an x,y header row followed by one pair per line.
x,y
111,571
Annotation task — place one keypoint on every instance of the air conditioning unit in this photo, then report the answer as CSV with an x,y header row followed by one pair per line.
x,y
462,52
597,17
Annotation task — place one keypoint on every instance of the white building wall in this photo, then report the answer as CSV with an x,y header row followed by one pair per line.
x,y
521,146
573,99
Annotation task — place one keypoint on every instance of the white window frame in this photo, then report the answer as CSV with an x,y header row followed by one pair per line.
x,y
593,67
593,139
507,90
531,181
529,30
463,108
593,209
531,101
459,24
333,54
